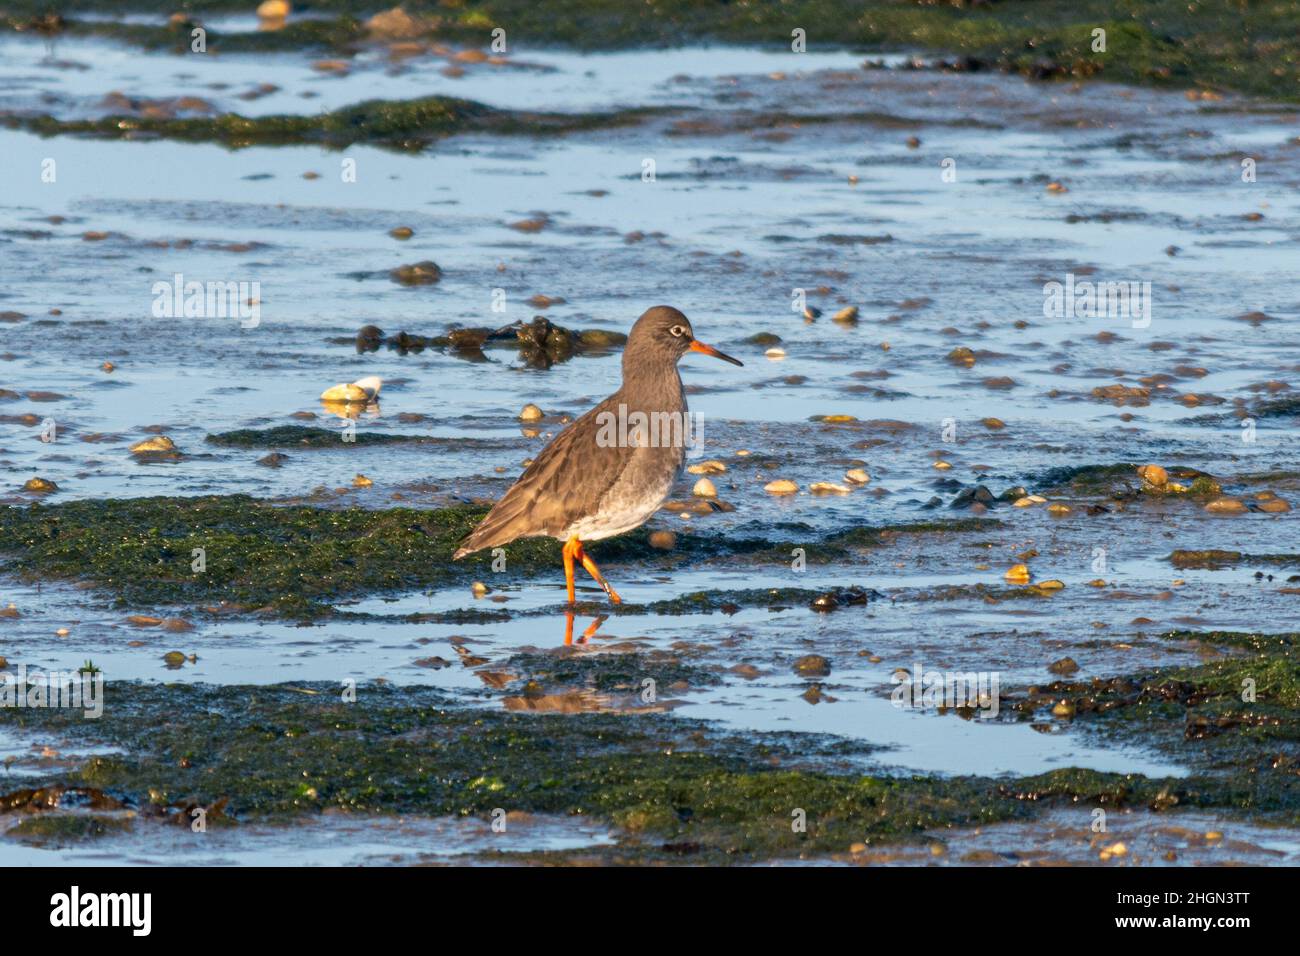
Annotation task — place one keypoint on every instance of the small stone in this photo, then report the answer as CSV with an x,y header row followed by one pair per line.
x,y
1056,187
782,486
531,413
663,540
704,488
159,443
40,486
273,9
710,467
402,232
361,481
942,465
62,632
108,366
846,316
1052,585
1066,665
479,589
1018,574
828,488
1058,509
1154,475
993,424
775,354
1063,709
812,665
1226,506
857,476
418,273
174,658
1273,506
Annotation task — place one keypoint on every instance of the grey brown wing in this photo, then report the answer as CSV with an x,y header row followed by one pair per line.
x,y
564,482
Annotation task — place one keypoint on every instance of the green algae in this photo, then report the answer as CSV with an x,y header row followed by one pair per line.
x,y
298,560
1214,43
406,125
611,671
1234,718
303,436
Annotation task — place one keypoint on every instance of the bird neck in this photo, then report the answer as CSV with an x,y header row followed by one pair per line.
x,y
657,385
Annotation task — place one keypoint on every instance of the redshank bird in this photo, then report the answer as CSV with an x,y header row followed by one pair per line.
x,y
598,477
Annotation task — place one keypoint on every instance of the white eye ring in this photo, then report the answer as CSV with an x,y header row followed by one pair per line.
x,y
677,331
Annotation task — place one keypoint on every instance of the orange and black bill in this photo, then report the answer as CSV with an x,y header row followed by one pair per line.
x,y
698,346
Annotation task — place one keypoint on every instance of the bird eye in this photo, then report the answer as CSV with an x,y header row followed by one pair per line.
x,y
677,331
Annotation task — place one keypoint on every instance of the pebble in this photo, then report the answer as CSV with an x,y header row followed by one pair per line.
x,y
402,232
782,486
273,9
704,488
1063,709
1018,574
857,476
1058,509
155,444
41,486
775,354
362,390
710,467
1154,475
530,413
942,465
993,424
1273,506
361,481
1066,665
1225,506
62,632
846,316
812,665
478,588
663,540
828,488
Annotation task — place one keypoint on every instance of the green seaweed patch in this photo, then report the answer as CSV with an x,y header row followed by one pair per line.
x,y
1235,717
304,436
1216,558
674,788
293,559
406,125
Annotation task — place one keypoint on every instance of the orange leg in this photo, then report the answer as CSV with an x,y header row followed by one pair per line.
x,y
571,548
594,571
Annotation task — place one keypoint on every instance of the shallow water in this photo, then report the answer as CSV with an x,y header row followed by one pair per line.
x,y
744,208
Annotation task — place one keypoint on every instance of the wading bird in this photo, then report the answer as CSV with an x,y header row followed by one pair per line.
x,y
599,477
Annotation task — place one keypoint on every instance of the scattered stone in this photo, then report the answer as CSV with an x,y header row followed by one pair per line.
x,y
402,232
418,273
710,467
782,486
828,488
159,444
1018,574
361,481
362,390
531,413
274,460
40,486
1154,475
846,316
704,488
993,424
857,476
812,665
1065,666
663,540
479,589
1225,506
